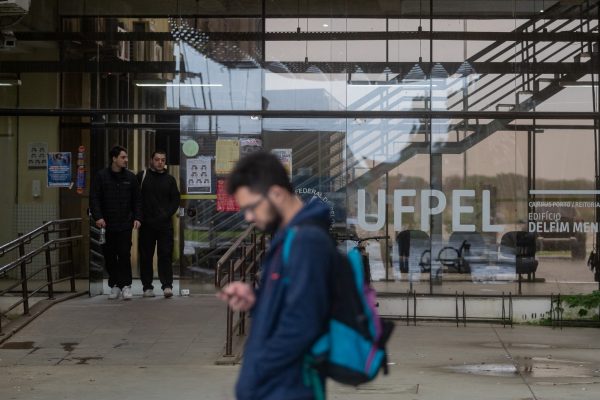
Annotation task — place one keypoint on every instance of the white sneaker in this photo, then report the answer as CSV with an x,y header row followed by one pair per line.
x,y
115,292
148,293
168,292
127,295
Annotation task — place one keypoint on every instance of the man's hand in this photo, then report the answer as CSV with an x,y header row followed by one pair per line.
x,y
101,223
136,224
239,296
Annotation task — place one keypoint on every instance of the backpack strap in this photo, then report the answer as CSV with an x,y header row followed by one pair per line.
x,y
287,244
289,239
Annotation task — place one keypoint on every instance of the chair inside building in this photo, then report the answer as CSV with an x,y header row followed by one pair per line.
x,y
518,248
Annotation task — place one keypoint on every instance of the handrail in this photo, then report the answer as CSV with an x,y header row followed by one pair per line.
x,y
29,256
62,227
28,237
240,262
234,247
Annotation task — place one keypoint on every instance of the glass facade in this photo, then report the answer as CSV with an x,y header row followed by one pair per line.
x,y
460,135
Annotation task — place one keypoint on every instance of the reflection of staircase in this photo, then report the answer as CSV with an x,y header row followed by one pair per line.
x,y
519,92
505,94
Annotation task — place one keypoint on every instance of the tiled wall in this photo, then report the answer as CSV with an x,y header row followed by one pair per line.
x,y
28,217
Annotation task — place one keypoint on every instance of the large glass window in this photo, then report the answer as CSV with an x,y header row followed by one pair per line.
x,y
459,142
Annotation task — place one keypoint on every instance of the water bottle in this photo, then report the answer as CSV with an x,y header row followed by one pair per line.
x,y
102,238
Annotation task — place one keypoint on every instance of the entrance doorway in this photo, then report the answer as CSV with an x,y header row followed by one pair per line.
x,y
140,140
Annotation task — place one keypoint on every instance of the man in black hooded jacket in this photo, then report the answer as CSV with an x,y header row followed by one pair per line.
x,y
116,206
160,200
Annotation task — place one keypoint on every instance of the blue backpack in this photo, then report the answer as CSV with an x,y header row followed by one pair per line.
x,y
352,351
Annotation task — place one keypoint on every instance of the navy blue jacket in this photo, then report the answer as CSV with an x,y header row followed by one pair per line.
x,y
287,318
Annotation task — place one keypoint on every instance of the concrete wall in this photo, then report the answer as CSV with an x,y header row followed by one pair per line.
x,y
8,155
36,91
20,211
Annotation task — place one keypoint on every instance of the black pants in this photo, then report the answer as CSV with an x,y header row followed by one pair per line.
x,y
117,258
162,238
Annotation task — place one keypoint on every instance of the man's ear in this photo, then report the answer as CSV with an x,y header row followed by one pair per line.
x,y
276,193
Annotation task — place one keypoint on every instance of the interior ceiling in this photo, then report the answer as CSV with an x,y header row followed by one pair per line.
x,y
315,8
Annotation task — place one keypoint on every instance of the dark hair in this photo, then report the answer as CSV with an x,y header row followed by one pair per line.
x,y
259,172
116,150
158,152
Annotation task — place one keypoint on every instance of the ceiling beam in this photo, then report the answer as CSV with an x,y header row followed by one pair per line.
x,y
118,66
315,36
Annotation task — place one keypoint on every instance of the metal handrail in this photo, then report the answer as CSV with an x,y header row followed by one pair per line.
x,y
235,246
28,237
242,261
50,227
27,258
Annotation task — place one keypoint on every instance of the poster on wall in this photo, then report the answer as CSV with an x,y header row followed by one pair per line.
x,y
198,175
285,156
36,155
59,169
249,145
80,182
227,154
225,202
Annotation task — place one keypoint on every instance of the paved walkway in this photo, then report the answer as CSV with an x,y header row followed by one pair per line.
x,y
93,348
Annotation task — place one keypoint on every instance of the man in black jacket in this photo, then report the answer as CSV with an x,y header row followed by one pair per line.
x,y
160,200
116,206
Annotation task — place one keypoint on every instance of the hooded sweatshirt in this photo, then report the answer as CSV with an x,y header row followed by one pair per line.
x,y
160,198
289,317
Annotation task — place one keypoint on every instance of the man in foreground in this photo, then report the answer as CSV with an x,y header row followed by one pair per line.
x,y
291,307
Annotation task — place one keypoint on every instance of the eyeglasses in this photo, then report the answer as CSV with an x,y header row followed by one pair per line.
x,y
251,207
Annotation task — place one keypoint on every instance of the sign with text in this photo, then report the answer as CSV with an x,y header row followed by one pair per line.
x,y
225,202
552,217
227,155
59,169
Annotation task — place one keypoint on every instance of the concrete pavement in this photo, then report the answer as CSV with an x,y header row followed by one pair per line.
x,y
93,348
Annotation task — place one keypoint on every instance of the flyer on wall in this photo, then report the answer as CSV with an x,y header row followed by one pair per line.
x,y
285,156
227,155
225,202
36,155
250,145
199,178
59,169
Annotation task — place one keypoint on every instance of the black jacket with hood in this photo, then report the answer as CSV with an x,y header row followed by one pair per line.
x,y
160,198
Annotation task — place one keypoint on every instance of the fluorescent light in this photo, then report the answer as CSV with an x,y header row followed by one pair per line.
x,y
179,84
577,84
15,83
404,85
325,26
